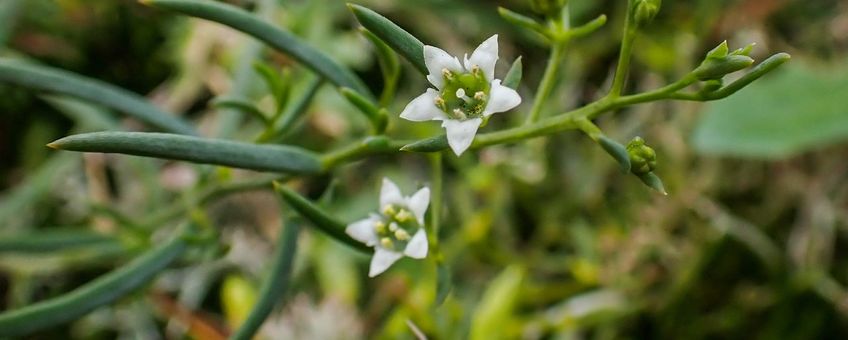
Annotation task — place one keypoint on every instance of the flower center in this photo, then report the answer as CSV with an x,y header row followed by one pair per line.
x,y
396,227
463,96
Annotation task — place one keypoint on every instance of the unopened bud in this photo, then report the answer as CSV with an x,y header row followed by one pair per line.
x,y
549,8
720,62
645,11
643,159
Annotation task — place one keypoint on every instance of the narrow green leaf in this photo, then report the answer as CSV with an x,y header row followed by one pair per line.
x,y
279,83
513,76
53,80
497,305
275,37
432,144
444,283
589,27
654,182
758,71
102,291
386,57
617,151
242,105
400,40
50,241
375,115
294,112
275,285
319,218
276,158
521,20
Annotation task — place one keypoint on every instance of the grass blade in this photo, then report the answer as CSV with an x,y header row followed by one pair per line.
x,y
53,80
275,158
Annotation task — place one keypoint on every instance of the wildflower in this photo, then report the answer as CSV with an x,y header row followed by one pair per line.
x,y
397,230
466,94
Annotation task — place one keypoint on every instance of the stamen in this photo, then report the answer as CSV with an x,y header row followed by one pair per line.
x,y
403,216
459,114
440,103
387,243
447,74
393,227
380,227
480,95
389,210
402,235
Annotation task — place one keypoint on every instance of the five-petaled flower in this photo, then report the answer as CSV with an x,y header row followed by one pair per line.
x,y
466,94
397,230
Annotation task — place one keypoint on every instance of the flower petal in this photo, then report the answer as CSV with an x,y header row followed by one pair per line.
x,y
423,108
437,60
390,194
485,57
501,98
363,231
461,133
417,246
418,203
382,260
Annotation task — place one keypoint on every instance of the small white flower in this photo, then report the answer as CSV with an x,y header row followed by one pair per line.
x,y
466,94
389,231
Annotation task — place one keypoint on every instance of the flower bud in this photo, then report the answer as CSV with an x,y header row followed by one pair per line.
x,y
549,8
720,62
645,11
643,158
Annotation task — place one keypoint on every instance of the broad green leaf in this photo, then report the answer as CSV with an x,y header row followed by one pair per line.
x,y
53,80
400,40
102,291
319,218
276,158
275,37
795,110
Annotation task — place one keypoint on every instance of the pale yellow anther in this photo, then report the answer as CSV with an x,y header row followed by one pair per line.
x,y
402,235
393,227
403,215
380,227
389,210
479,95
387,243
459,114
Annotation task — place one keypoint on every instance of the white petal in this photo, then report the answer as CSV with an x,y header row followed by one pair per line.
x,y
461,133
363,231
501,98
390,194
418,203
485,57
382,260
423,108
437,60
417,246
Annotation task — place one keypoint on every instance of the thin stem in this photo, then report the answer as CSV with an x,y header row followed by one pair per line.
x,y
435,201
624,55
548,81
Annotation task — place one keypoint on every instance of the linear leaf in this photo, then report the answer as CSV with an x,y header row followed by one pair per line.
x,y
399,39
53,80
276,158
103,290
273,36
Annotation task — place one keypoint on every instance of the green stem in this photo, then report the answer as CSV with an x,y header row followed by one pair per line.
x,y
435,202
275,286
548,80
623,66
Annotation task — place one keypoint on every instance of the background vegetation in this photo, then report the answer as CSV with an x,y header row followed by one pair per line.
x,y
544,240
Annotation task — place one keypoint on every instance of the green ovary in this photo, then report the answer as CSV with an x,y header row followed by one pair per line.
x,y
464,96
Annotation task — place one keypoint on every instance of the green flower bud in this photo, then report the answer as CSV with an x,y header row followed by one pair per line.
x,y
645,11
549,8
720,62
711,85
643,158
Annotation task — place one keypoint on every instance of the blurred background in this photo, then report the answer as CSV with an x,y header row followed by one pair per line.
x,y
544,240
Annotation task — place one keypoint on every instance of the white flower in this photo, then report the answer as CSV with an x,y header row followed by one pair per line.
x,y
397,230
466,94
